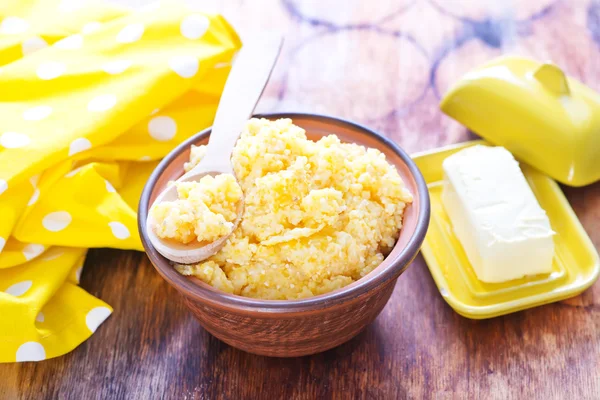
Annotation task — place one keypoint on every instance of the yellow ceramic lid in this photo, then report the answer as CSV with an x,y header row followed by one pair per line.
x,y
576,264
544,118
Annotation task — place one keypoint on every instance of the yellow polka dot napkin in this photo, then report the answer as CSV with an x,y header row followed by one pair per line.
x,y
91,96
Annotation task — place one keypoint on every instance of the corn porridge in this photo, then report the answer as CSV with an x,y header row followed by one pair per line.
x,y
318,215
204,211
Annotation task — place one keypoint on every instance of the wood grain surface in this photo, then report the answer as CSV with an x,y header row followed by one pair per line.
x,y
385,64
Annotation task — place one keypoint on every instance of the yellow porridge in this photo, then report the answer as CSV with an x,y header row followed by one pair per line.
x,y
318,215
204,211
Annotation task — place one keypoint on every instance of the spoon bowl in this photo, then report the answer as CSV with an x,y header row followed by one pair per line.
x,y
195,251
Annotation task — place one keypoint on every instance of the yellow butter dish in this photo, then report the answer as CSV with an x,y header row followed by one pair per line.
x,y
544,118
575,265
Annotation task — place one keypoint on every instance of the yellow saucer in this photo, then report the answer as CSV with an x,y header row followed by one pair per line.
x,y
576,262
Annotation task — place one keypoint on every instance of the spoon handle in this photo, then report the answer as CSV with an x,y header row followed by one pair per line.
x,y
245,84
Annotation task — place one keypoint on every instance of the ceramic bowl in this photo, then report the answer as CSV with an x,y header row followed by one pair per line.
x,y
285,328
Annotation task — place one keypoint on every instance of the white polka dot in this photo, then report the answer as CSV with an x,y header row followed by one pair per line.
x,y
131,33
78,274
119,230
57,221
34,197
184,66
95,317
155,5
71,5
32,45
31,351
19,289
50,69
91,27
40,317
37,113
3,186
31,251
109,188
222,65
162,128
73,42
78,145
52,254
194,26
102,102
116,67
73,173
13,140
34,180
13,25
145,158
2,243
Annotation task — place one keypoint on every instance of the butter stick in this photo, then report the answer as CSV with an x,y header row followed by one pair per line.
x,y
505,233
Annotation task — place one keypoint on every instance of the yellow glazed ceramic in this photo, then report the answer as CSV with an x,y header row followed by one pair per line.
x,y
576,262
544,118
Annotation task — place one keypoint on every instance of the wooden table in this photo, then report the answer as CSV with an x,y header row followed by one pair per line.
x,y
382,63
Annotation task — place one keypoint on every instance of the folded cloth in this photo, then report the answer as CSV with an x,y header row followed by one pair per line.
x,y
91,95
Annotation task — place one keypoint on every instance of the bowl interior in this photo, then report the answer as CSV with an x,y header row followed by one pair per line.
x,y
416,216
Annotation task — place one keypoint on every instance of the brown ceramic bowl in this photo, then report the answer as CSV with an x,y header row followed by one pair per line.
x,y
311,325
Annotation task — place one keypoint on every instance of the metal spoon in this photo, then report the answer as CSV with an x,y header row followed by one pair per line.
x,y
244,86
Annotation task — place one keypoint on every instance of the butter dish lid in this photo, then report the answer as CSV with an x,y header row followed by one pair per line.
x,y
543,117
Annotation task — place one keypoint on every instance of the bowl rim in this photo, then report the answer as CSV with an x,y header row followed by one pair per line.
x,y
350,292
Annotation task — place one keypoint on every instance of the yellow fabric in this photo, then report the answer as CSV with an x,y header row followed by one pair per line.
x,y
90,97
